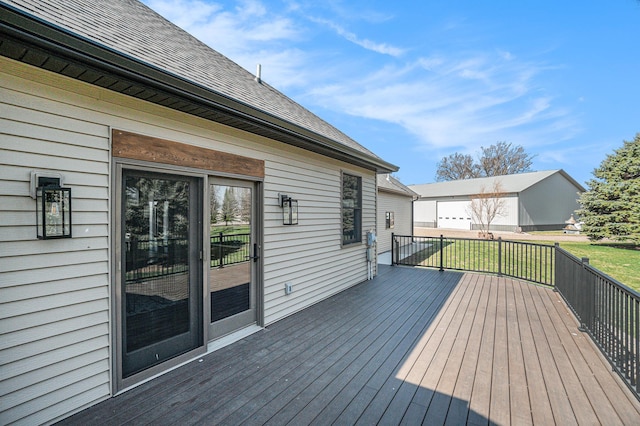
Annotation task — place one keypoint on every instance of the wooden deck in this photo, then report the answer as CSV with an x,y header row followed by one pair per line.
x,y
411,346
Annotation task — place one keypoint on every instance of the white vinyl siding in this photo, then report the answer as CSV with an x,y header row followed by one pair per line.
x,y
54,305
55,308
309,255
401,206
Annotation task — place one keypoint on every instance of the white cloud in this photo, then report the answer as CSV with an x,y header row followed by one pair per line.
x,y
448,99
184,13
249,34
382,48
465,101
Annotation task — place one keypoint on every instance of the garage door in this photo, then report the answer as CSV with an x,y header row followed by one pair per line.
x,y
454,215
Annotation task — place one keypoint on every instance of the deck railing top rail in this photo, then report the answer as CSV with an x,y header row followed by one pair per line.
x,y
524,260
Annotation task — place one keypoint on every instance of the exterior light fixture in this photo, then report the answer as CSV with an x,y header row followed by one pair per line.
x,y
53,206
289,210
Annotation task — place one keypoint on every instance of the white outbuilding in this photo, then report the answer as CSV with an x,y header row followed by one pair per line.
x,y
533,201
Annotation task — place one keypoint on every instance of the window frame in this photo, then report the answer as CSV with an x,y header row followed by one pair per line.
x,y
356,210
389,220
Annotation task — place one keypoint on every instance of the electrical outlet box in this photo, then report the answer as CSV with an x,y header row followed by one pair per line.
x,y
288,288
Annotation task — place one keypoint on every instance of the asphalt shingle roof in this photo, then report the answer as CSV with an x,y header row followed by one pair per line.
x,y
130,28
388,183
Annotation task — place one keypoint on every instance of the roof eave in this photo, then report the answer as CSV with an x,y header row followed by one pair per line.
x,y
33,41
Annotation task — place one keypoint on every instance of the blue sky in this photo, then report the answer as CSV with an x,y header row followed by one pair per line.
x,y
415,81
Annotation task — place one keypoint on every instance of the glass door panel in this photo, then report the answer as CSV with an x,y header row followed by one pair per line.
x,y
161,313
233,255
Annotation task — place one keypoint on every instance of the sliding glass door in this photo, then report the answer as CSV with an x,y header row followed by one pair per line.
x,y
234,254
161,281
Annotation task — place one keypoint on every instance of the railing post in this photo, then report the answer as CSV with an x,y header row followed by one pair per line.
x,y
555,266
499,256
393,243
441,252
586,293
220,251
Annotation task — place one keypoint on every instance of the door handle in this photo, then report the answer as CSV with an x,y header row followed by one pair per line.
x,y
255,256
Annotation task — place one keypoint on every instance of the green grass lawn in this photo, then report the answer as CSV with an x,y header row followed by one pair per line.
x,y
527,261
619,261
229,229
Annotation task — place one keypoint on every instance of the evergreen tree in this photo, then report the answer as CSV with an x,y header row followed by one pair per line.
x,y
215,203
245,205
611,206
229,209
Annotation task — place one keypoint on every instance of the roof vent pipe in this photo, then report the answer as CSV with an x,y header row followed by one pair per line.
x,y
259,73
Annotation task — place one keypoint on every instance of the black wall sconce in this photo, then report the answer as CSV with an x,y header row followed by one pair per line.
x,y
289,210
53,206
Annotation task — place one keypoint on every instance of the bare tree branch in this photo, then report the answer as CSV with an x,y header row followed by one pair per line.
x,y
504,159
496,160
457,166
487,205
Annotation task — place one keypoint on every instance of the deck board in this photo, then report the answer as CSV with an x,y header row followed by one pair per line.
x,y
481,392
558,342
541,412
459,408
519,395
411,346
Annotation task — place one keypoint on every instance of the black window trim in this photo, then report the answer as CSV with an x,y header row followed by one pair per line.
x,y
357,210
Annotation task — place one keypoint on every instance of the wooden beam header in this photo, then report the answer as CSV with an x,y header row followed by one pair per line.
x,y
156,150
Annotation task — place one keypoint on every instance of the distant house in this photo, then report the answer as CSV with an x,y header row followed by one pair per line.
x,y
204,203
395,211
533,201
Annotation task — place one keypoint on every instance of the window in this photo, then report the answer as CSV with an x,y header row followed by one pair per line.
x,y
351,209
389,221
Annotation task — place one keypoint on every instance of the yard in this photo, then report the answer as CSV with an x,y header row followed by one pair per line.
x,y
620,261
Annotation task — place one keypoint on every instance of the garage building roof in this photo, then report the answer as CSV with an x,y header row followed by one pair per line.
x,y
512,184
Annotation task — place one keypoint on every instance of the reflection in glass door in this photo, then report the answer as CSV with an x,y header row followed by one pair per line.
x,y
233,257
161,303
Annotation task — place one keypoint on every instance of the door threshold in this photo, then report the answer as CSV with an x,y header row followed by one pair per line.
x,y
232,338
211,347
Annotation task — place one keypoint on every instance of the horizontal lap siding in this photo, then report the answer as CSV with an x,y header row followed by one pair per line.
x,y
63,125
402,207
309,255
54,295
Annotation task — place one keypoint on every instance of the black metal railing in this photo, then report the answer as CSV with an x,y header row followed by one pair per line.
x,y
527,261
157,258
608,311
167,256
227,249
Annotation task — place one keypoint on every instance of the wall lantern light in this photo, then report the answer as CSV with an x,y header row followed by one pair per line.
x,y
289,210
53,206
